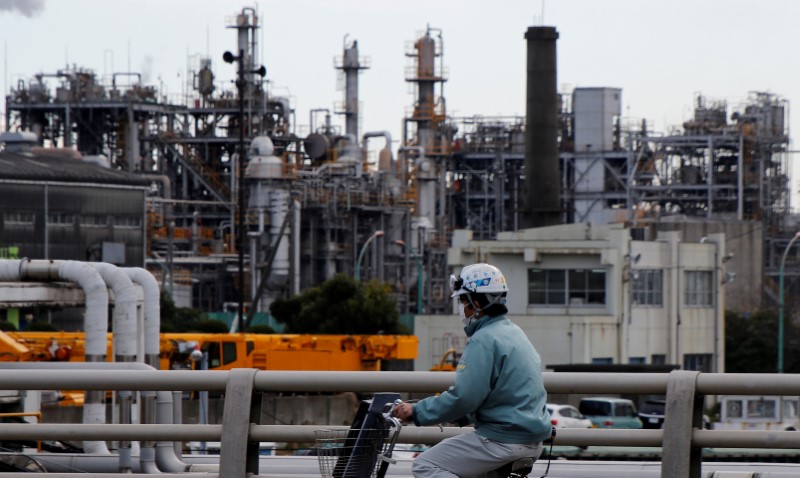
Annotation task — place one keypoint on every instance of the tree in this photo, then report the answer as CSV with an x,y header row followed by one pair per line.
x,y
41,327
210,326
260,329
340,305
750,342
179,319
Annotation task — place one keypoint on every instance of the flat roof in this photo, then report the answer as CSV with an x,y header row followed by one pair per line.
x,y
30,166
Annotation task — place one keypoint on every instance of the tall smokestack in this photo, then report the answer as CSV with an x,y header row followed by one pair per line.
x,y
542,194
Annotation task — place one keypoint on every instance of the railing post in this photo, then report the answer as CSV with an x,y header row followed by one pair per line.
x,y
682,413
238,456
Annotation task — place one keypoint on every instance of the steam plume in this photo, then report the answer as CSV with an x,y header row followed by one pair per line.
x,y
29,8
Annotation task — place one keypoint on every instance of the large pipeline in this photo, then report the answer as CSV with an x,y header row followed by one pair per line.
x,y
153,458
95,322
152,313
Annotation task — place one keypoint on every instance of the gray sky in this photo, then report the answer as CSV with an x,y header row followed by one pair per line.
x,y
661,53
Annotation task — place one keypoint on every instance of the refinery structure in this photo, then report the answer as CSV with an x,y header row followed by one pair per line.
x,y
300,209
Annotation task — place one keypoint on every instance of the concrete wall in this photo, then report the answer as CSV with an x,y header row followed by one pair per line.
x,y
745,239
618,331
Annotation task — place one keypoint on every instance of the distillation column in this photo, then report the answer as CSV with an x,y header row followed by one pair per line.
x,y
428,116
350,63
270,197
246,24
427,134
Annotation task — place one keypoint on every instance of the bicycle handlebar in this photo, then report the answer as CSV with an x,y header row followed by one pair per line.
x,y
388,415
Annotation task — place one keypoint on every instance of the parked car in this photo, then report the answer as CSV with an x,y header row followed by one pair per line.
x,y
567,416
652,414
608,412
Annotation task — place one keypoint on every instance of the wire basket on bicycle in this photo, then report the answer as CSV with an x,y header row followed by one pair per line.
x,y
365,449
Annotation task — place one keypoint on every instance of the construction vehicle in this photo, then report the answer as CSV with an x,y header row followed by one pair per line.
x,y
227,351
449,361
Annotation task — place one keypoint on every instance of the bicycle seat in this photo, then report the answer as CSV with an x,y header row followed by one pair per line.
x,y
516,469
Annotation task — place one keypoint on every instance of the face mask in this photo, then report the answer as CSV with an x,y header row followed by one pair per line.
x,y
464,319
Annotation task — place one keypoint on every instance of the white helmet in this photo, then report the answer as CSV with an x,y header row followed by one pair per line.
x,y
479,279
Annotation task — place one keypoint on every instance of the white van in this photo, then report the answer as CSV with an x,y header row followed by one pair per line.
x,y
757,412
214,447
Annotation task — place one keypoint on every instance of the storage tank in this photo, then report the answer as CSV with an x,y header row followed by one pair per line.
x,y
263,163
317,146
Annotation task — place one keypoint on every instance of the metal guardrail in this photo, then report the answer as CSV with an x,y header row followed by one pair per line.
x,y
681,439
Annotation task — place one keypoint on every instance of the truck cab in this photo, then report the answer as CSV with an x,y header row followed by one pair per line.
x,y
758,412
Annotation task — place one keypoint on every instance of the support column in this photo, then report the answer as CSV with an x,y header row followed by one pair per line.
x,y
238,453
683,413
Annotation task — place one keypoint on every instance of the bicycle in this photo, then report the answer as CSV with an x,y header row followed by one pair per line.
x,y
365,449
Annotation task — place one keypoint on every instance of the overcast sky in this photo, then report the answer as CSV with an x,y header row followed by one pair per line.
x,y
661,53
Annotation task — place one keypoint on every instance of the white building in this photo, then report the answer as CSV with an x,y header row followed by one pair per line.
x,y
588,294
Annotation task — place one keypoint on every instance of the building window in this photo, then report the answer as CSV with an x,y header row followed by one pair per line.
x,y
127,222
698,362
658,359
61,219
636,360
19,218
602,361
698,288
94,220
648,286
567,287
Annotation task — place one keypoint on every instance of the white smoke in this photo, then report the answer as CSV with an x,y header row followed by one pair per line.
x,y
147,69
29,8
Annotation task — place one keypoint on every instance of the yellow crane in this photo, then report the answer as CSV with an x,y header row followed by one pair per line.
x,y
227,351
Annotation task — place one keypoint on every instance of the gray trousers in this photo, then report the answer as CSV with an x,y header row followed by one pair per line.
x,y
468,455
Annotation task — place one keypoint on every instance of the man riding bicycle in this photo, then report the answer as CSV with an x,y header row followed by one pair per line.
x,y
498,387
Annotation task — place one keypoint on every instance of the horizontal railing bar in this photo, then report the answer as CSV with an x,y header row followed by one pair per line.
x,y
410,434
173,380
748,384
353,381
81,431
108,475
616,383
190,380
562,382
266,381
578,382
745,439
433,435
306,433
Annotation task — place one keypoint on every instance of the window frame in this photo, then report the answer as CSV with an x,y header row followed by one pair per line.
x,y
643,285
564,283
698,296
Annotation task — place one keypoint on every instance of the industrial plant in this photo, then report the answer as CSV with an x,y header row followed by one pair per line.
x,y
239,205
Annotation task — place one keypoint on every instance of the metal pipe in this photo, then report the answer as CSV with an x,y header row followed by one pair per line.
x,y
371,238
125,73
166,191
166,457
95,318
152,313
124,340
124,316
177,410
780,302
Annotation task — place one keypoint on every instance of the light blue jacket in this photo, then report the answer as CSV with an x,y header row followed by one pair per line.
x,y
498,387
